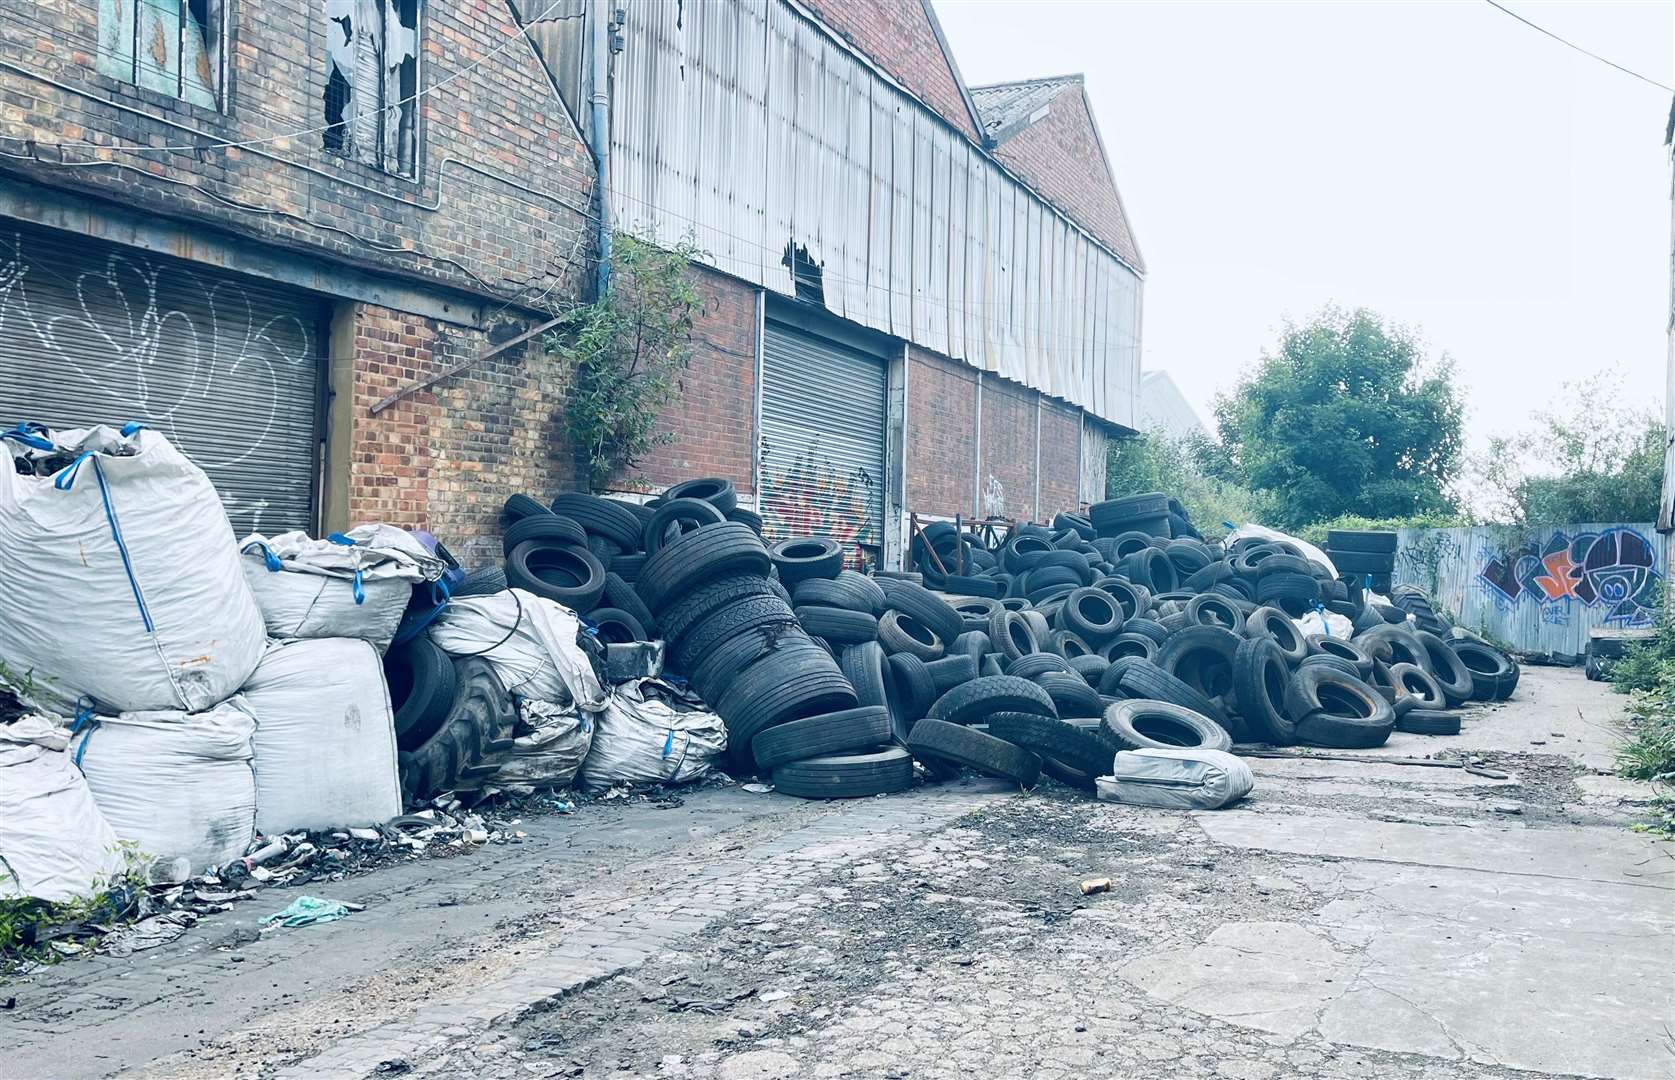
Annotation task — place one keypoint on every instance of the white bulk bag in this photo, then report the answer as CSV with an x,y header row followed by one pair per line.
x,y
549,745
1177,778
528,640
175,784
641,739
350,585
325,752
119,579
55,845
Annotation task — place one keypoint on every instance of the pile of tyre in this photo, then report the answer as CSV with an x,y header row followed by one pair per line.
x,y
1368,555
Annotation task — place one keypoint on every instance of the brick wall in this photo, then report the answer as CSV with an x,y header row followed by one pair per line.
x,y
941,438
1008,474
454,225
899,38
714,418
1061,455
446,458
1060,157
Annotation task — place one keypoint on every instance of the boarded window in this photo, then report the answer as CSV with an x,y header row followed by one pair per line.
x,y
171,46
372,77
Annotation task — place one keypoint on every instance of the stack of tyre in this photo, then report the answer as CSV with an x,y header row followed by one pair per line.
x,y
1369,556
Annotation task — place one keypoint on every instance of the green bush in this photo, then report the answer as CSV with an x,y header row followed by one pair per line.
x,y
1177,467
1647,671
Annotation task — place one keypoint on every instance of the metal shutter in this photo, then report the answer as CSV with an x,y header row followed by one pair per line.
x,y
822,439
229,368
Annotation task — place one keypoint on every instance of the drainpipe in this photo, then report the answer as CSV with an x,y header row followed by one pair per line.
x,y
599,126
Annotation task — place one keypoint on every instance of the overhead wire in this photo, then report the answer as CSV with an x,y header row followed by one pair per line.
x,y
1572,45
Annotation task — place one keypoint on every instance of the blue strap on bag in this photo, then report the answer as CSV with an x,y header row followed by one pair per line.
x,y
64,481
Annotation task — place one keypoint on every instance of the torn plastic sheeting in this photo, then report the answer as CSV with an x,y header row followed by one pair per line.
x,y
1176,778
641,738
529,641
55,843
548,747
1262,532
308,910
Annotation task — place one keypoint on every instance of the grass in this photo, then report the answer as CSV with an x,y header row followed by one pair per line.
x,y
1647,672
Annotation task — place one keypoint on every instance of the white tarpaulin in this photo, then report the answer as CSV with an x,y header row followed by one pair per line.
x,y
641,739
529,641
119,579
54,843
1262,532
1177,778
549,745
325,751
175,784
350,585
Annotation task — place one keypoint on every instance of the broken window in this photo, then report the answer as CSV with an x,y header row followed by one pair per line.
x,y
372,77
171,46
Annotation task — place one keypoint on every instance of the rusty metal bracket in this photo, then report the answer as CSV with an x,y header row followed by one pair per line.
x,y
455,369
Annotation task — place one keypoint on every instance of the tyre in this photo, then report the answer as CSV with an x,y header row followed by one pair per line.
x,y
1419,684
421,683
1276,626
543,526
484,582
748,518
1343,732
1506,686
794,681
1090,668
1429,722
696,558
947,744
571,576
676,518
605,518
849,590
1363,562
972,643
951,671
1489,667
1261,676
863,666
1058,741
1393,645
1336,663
1291,593
804,557
971,702
628,565
1446,666
1154,725
861,728
1189,557
518,507
473,740
1035,665
1343,649
846,776
837,625
1146,680
925,606
1356,540
1150,628
908,690
1129,644
713,672
766,613
621,595
711,489
1091,614
1210,609
900,632
1071,694
1068,645
1320,691
613,626
1150,568
698,605
1107,517
1013,634
1202,658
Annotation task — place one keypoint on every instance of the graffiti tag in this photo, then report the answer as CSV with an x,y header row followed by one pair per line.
x,y
1614,569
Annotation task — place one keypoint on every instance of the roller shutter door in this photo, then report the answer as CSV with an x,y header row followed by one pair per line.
x,y
229,368
822,464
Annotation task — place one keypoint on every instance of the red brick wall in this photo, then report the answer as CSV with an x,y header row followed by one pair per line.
x,y
941,437
1059,156
1008,474
896,35
714,419
1061,456
446,458
453,226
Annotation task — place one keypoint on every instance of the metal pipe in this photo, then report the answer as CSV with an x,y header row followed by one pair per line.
x,y
599,128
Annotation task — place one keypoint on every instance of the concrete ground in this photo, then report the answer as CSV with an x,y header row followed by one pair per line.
x,y
1351,919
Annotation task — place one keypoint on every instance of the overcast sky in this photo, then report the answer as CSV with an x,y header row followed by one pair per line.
x,y
1437,162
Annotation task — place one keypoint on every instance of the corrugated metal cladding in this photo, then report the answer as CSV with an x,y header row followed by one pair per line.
x,y
227,367
740,124
1539,590
822,450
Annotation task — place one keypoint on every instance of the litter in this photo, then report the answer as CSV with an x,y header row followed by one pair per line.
x,y
308,910
1096,885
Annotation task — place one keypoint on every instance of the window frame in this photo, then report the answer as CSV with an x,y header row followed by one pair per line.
x,y
386,162
128,67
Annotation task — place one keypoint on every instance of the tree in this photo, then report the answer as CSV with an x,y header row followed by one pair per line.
x,y
1587,458
1160,462
628,349
1347,417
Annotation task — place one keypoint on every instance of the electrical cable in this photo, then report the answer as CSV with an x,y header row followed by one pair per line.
x,y
1578,48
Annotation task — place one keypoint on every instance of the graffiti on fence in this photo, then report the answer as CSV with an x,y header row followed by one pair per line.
x,y
1614,569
